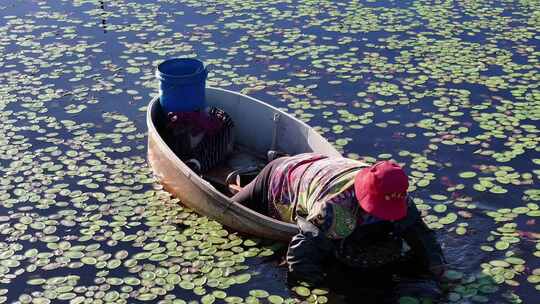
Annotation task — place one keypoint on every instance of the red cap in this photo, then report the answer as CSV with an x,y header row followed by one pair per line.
x,y
381,190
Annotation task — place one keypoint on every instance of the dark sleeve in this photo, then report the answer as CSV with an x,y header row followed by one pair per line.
x,y
307,251
420,238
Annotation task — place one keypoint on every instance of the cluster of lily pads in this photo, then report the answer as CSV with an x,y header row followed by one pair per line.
x,y
449,89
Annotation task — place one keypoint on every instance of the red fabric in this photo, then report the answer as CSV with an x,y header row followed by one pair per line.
x,y
196,122
381,190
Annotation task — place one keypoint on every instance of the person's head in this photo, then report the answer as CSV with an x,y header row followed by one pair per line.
x,y
381,190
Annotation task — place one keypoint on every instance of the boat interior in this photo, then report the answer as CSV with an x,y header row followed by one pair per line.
x,y
239,168
261,133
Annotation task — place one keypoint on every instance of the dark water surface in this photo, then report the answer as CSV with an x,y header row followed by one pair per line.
x,y
448,88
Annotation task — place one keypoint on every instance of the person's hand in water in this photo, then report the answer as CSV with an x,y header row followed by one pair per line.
x,y
306,253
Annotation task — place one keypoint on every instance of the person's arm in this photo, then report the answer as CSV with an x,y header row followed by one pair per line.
x,y
307,251
421,239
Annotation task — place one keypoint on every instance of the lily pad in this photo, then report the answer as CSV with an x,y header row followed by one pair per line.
x,y
302,291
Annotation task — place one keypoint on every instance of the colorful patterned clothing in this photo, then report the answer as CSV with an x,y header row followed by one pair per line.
x,y
319,188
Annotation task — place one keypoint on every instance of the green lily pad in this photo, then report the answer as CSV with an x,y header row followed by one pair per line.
x,y
208,299
275,299
66,296
219,294
243,278
259,293
467,174
515,260
37,281
502,245
499,263
534,213
132,281
461,230
438,197
186,285
146,297
111,296
440,208
302,291
533,279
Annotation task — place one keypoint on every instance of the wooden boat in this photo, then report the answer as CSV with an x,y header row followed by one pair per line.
x,y
259,127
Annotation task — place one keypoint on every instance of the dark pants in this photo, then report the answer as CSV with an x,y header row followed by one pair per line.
x,y
255,194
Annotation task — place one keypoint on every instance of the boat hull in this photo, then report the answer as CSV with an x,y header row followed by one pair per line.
x,y
201,196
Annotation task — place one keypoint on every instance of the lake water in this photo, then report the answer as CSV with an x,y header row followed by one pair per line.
x,y
448,88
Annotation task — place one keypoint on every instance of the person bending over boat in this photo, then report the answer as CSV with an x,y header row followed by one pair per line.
x,y
345,209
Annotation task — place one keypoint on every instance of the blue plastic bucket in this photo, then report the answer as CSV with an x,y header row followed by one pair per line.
x,y
181,84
